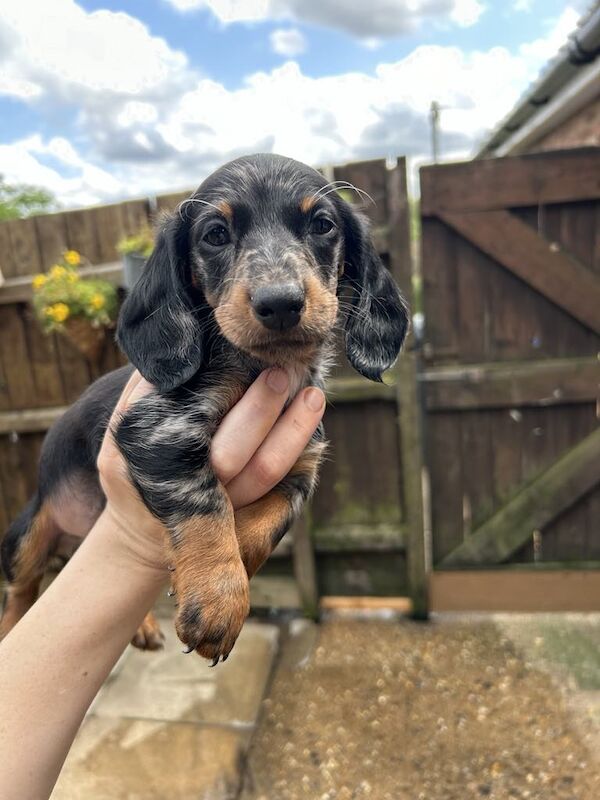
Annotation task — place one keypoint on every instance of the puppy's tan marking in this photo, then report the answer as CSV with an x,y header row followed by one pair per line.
x,y
255,526
149,635
226,209
307,203
260,526
28,569
210,582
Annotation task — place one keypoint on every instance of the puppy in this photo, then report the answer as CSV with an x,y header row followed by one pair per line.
x,y
249,273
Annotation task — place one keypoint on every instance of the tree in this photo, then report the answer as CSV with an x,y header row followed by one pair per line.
x,y
22,200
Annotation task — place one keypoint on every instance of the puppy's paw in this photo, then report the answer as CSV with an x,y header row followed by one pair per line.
x,y
211,616
149,635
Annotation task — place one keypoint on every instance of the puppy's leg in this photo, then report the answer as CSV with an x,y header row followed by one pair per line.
x,y
210,580
149,635
168,455
25,550
260,526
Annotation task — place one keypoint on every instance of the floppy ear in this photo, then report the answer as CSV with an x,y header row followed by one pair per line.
x,y
159,327
378,319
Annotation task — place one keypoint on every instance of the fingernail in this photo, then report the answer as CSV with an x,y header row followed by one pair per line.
x,y
314,399
277,379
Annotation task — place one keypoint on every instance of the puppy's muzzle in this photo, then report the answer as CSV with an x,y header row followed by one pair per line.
x,y
278,306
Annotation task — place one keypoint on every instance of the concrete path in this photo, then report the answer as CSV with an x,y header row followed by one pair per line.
x,y
166,726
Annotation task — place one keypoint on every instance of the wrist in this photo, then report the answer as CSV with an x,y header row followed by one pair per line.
x,y
141,549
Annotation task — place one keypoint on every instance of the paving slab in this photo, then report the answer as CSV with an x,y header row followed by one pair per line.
x,y
166,725
169,685
131,759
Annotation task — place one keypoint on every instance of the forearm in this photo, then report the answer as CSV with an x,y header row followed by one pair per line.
x,y
55,660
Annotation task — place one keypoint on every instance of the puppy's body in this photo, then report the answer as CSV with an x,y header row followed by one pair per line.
x,y
245,276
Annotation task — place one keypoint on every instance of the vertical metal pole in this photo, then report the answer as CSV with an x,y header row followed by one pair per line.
x,y
434,120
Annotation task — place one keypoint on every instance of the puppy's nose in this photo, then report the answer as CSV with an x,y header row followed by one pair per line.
x,y
279,306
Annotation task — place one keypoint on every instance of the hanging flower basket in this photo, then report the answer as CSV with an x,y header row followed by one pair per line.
x,y
79,308
87,339
135,251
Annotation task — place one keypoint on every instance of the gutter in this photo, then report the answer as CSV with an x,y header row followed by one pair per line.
x,y
573,60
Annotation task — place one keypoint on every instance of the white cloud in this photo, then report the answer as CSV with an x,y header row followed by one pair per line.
x,y
546,47
177,125
58,48
466,12
287,42
377,18
23,162
522,5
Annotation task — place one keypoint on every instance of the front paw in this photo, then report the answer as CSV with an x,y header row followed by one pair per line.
x,y
211,614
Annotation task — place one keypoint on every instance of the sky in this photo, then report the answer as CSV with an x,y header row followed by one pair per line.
x,y
106,99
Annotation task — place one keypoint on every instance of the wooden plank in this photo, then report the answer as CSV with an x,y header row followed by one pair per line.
x,y
13,352
539,263
504,182
351,390
18,289
30,420
305,570
8,267
82,234
532,507
371,177
43,359
440,290
26,254
527,590
108,221
501,385
167,203
406,371
402,605
51,232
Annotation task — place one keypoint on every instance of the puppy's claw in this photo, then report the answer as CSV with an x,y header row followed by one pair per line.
x,y
225,658
215,661
171,569
171,593
189,649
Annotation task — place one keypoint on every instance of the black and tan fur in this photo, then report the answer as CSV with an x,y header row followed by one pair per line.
x,y
263,226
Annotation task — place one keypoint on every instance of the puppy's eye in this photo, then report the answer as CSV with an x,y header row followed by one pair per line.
x,y
321,226
217,236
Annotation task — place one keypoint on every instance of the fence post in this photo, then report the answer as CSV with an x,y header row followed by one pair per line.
x,y
410,417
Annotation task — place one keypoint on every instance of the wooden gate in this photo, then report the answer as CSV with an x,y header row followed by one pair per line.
x,y
511,284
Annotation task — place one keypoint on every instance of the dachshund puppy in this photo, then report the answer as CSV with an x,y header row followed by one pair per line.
x,y
249,273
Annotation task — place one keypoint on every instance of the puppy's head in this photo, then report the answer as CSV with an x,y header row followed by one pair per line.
x,y
259,254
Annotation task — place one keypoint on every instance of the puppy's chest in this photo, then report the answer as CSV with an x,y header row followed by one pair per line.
x,y
299,377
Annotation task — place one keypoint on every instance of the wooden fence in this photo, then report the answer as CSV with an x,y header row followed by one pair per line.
x,y
501,397
511,285
362,514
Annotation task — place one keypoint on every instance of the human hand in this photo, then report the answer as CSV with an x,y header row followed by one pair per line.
x,y
253,449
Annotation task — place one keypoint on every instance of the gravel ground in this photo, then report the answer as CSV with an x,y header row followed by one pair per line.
x,y
402,711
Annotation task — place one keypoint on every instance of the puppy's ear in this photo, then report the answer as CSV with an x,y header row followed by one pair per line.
x,y
160,328
378,318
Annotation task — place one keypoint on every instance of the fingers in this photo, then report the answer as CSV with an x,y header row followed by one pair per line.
x,y
247,424
280,450
135,388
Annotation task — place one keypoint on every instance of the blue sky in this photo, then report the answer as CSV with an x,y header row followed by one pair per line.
x,y
102,100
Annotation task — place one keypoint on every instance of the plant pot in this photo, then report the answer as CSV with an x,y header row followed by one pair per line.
x,y
133,266
87,339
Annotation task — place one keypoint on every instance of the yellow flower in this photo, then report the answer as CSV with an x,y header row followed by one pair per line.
x,y
58,312
72,277
58,271
38,281
97,301
72,257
